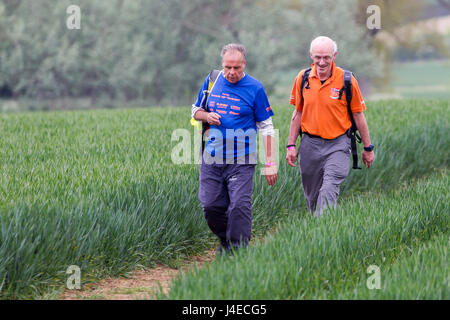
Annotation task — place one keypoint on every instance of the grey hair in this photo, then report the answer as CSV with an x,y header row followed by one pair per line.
x,y
233,47
322,38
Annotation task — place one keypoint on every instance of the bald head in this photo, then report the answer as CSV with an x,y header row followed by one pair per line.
x,y
323,51
323,43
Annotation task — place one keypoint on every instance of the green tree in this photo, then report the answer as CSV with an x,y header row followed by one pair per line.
x,y
160,51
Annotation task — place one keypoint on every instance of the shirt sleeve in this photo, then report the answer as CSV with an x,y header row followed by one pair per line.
x,y
262,106
265,127
357,104
296,97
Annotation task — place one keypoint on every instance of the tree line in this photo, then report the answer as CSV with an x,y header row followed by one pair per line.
x,y
161,50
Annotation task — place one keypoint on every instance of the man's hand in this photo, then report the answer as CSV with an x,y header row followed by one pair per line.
x,y
367,158
213,118
291,157
361,124
271,174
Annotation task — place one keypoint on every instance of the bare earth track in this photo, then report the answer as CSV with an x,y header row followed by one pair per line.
x,y
140,285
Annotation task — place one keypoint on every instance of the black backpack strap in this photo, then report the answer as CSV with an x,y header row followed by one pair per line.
x,y
354,136
212,80
304,84
305,80
214,74
212,77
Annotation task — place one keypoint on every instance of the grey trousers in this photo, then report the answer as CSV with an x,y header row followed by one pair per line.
x,y
324,165
226,197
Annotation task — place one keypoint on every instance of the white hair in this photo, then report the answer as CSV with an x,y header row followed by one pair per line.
x,y
322,39
233,47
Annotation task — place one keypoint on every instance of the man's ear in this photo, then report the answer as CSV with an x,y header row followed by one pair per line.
x,y
335,54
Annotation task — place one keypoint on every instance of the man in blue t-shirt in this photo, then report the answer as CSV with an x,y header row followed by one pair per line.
x,y
236,108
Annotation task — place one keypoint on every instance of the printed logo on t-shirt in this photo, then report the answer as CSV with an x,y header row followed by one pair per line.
x,y
334,93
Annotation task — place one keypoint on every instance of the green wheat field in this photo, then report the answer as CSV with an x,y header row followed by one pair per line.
x,y
98,189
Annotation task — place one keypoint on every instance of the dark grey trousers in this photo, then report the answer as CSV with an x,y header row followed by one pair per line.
x,y
324,165
226,197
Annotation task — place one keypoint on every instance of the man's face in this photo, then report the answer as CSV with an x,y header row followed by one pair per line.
x,y
233,66
323,56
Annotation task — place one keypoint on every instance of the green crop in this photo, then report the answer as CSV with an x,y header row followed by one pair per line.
x,y
328,257
98,188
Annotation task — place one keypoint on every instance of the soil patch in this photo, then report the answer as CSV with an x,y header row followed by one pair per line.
x,y
142,284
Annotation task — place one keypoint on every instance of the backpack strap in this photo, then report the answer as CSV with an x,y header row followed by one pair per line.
x,y
304,84
212,78
354,136
305,80
213,75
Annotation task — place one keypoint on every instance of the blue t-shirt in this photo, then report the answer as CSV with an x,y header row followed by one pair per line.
x,y
240,106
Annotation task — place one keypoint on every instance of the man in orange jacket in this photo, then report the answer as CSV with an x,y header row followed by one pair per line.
x,y
324,119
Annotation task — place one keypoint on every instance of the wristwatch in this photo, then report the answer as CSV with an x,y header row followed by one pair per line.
x,y
369,148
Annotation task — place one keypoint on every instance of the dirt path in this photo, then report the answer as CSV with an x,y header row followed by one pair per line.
x,y
140,285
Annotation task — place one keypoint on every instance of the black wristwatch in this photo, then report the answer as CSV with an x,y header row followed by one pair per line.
x,y
369,148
